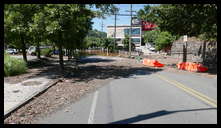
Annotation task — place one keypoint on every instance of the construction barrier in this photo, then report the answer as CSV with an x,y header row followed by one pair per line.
x,y
150,62
193,67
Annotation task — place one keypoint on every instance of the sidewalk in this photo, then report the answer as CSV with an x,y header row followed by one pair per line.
x,y
17,94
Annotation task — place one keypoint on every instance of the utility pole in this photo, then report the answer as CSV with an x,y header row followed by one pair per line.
x,y
130,30
102,25
130,40
115,20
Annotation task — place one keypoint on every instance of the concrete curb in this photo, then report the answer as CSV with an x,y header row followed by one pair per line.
x,y
50,84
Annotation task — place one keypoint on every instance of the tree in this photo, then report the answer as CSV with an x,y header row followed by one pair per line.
x,y
151,36
38,27
16,25
63,25
183,19
96,33
126,43
198,20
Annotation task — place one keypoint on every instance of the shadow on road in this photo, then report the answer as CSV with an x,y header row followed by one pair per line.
x,y
155,114
50,68
104,72
94,60
43,62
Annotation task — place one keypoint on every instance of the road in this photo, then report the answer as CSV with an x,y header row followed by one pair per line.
x,y
159,98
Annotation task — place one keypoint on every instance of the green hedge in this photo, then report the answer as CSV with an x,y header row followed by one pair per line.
x,y
13,66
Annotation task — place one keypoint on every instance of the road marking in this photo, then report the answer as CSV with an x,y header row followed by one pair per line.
x,y
195,93
93,106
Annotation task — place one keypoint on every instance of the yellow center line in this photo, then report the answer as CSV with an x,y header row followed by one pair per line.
x,y
190,91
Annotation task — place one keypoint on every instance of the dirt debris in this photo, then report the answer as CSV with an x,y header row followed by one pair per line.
x,y
89,77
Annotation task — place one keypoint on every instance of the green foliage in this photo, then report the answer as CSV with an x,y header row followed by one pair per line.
x,y
184,19
46,52
151,36
96,38
108,43
148,13
17,18
126,43
13,66
96,33
93,42
64,25
164,40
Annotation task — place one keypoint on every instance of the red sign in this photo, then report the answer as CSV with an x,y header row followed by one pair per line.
x,y
148,26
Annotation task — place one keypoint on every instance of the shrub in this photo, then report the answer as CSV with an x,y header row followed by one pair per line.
x,y
46,52
13,66
163,40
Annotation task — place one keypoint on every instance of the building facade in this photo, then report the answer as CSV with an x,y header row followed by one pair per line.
x,y
122,31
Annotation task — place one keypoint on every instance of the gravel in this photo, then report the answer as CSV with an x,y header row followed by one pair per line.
x,y
70,90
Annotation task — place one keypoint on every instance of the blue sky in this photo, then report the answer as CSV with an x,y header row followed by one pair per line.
x,y
121,20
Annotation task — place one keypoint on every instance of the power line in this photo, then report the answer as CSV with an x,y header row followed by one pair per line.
x,y
115,18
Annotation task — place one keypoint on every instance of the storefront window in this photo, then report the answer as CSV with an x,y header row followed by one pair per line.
x,y
135,31
136,40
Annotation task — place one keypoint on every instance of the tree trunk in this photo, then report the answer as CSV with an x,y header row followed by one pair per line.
x,y
204,52
107,51
38,50
53,49
61,62
23,49
69,54
184,53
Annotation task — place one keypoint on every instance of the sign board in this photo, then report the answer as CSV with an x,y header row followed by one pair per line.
x,y
135,21
148,26
185,38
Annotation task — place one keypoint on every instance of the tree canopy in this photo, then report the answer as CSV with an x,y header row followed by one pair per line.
x,y
63,25
183,19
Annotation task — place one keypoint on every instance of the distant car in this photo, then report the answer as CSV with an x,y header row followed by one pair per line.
x,y
11,51
32,50
56,52
152,48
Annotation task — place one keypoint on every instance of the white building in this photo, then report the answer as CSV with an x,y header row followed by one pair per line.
x,y
123,30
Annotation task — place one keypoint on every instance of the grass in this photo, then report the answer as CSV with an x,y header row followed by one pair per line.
x,y
13,66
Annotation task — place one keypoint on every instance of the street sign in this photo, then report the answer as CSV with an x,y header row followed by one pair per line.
x,y
148,26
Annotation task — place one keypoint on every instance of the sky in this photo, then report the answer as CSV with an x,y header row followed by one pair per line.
x,y
121,20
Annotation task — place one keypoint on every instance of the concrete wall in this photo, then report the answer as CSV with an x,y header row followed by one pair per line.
x,y
195,50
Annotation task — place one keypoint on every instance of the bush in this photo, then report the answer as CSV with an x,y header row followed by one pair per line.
x,y
151,36
13,66
46,52
163,40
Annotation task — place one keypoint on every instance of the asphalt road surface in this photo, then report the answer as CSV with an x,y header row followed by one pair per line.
x,y
145,98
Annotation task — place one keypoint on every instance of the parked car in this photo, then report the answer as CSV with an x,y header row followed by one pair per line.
x,y
32,50
152,49
11,51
